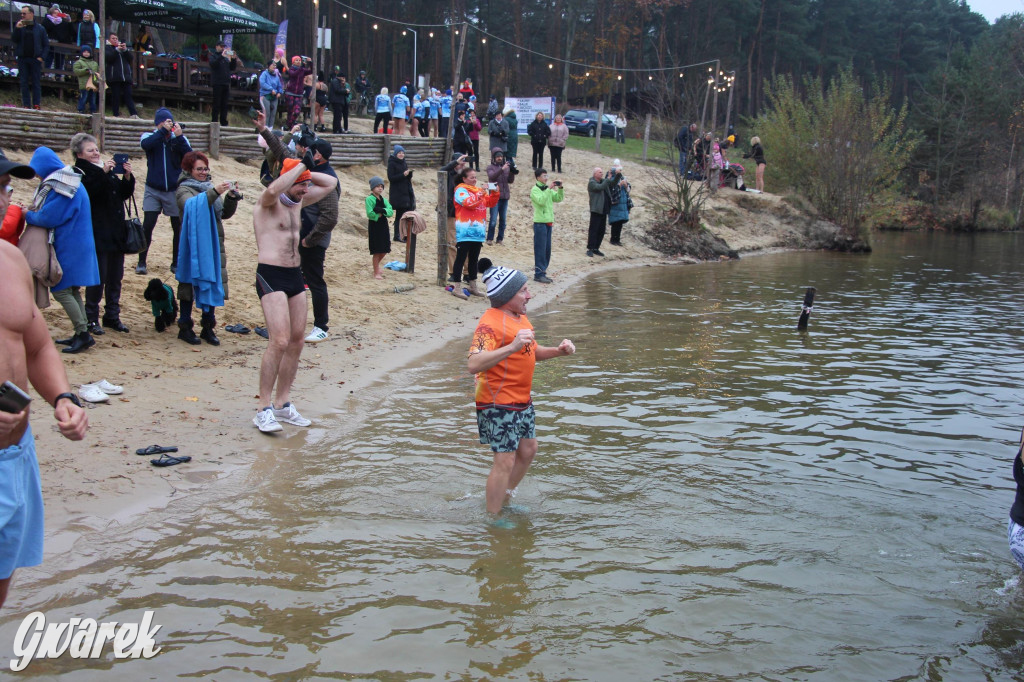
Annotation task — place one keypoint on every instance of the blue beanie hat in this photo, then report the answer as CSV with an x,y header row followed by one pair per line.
x,y
162,114
397,148
404,90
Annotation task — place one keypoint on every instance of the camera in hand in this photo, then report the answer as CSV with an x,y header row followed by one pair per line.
x,y
306,136
512,166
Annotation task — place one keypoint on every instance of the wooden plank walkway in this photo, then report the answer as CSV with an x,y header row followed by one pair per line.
x,y
29,129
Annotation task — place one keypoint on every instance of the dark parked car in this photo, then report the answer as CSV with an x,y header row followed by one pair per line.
x,y
584,122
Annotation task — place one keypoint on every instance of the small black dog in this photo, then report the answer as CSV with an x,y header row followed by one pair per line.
x,y
165,308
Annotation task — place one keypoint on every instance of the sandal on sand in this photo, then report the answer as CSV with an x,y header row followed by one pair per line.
x,y
156,450
262,331
169,460
237,329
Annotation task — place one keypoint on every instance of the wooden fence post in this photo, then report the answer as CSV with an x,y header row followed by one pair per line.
x,y
387,148
97,128
215,139
442,228
600,125
647,136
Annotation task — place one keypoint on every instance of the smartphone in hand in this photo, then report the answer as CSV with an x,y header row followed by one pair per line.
x,y
119,160
12,399
254,113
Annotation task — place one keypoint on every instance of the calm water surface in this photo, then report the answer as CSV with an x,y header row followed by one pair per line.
x,y
717,497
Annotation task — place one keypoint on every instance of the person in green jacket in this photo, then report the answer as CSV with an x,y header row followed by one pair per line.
x,y
513,133
85,68
378,210
543,199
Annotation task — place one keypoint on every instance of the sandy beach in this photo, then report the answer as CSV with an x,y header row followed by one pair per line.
x,y
202,398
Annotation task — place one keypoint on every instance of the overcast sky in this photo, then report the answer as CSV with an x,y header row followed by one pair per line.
x,y
993,9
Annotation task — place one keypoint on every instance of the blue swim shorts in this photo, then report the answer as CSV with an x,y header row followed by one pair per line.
x,y
502,429
21,507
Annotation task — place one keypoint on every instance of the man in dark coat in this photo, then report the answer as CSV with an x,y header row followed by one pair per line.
x,y
338,94
684,143
222,63
599,188
318,220
120,76
31,47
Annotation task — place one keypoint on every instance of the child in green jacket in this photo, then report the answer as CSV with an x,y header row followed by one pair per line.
x,y
378,210
85,68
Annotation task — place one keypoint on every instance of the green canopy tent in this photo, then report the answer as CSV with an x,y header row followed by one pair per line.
x,y
195,17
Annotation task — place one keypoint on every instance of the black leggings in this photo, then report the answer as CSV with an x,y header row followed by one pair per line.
x,y
466,251
476,157
382,116
148,224
537,161
556,159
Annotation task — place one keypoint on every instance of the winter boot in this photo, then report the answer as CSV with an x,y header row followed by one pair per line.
x,y
186,334
473,290
208,333
79,343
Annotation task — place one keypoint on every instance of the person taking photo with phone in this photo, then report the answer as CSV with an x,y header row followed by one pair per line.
x,y
543,198
222,63
107,194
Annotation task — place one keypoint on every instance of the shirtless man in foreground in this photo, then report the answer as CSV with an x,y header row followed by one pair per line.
x,y
26,354
280,286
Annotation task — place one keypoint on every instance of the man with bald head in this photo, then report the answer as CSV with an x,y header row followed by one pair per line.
x,y
599,188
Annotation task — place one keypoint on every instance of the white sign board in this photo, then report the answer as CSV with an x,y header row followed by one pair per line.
x,y
526,109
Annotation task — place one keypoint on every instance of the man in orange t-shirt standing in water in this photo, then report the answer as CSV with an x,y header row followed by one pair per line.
x,y
503,356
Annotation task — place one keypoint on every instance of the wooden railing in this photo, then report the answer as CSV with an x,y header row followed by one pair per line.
x,y
28,129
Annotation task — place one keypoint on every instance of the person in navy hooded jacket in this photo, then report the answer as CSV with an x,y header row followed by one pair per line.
x,y
165,147
61,204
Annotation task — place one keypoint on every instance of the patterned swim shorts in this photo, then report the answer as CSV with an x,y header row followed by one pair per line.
x,y
502,429
1015,534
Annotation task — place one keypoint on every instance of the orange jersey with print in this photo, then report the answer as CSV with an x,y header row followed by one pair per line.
x,y
508,383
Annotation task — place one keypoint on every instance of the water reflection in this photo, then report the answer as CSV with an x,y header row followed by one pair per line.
x,y
716,496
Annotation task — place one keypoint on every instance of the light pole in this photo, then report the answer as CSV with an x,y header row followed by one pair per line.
x,y
730,80
415,74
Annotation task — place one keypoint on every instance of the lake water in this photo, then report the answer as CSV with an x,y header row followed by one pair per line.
x,y
717,496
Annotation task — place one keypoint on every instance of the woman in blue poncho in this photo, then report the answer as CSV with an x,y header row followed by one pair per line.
x,y
202,263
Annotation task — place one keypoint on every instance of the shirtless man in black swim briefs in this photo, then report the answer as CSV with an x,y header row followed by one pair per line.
x,y
280,287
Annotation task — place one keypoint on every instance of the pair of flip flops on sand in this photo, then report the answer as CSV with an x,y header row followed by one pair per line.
x,y
99,392
165,459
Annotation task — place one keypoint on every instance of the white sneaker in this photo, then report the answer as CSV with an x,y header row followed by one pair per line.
x,y
91,393
289,415
266,422
109,388
316,336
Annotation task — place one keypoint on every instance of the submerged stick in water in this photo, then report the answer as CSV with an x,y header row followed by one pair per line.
x,y
805,314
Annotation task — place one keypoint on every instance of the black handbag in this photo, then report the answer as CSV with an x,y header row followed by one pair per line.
x,y
134,235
